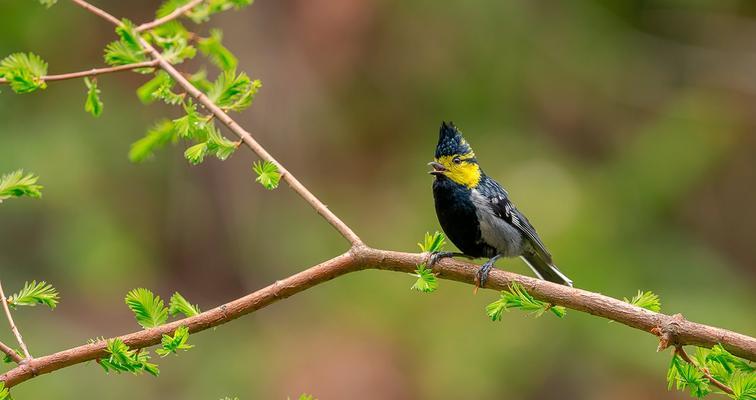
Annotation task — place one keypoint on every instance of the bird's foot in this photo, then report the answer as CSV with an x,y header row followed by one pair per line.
x,y
438,255
481,277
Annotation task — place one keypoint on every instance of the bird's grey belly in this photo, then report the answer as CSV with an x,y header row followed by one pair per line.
x,y
496,232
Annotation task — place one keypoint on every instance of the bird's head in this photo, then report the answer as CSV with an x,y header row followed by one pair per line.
x,y
455,158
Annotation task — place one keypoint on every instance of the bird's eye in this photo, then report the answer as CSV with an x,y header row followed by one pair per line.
x,y
456,160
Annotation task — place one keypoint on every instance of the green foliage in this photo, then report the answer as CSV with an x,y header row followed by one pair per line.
x,y
123,359
682,375
48,4
731,371
196,154
426,280
214,50
146,91
127,50
173,39
517,297
218,145
647,300
158,136
4,394
147,308
267,174
16,184
93,104
24,72
305,396
165,93
172,344
432,243
233,92
179,305
35,293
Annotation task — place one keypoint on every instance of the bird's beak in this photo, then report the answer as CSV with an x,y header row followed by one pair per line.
x,y
438,168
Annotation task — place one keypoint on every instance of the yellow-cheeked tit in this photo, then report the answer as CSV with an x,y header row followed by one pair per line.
x,y
477,216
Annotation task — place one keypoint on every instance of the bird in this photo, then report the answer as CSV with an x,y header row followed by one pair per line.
x,y
477,215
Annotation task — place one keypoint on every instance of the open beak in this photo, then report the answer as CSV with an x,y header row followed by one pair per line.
x,y
438,169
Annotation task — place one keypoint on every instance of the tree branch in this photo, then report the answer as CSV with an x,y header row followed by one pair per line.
x,y
94,72
360,258
173,15
245,136
13,324
673,330
10,353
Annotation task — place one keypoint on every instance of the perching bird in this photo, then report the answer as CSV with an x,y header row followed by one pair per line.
x,y
477,216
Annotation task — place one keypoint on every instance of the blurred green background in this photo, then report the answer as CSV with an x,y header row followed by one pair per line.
x,y
623,129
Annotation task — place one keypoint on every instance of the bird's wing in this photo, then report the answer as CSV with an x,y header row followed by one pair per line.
x,y
504,209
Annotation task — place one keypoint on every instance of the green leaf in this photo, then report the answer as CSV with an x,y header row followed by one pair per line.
x,y
199,80
218,145
147,308
305,396
172,344
93,105
647,300
179,305
127,50
426,280
164,92
175,46
728,361
192,125
16,184
267,174
48,4
517,297
35,293
123,359
24,72
196,154
682,375
157,137
433,243
204,10
216,52
233,92
743,386
4,394
145,92
119,53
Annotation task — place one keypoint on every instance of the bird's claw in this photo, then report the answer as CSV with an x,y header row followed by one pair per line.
x,y
437,255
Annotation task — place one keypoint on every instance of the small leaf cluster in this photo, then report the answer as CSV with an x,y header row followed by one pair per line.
x,y
648,300
518,297
24,72
203,11
150,312
34,293
123,359
16,184
735,373
4,394
426,280
268,174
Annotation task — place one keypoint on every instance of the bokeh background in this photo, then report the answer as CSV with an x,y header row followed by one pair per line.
x,y
623,129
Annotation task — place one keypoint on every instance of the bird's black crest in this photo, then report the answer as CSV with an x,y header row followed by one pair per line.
x,y
450,141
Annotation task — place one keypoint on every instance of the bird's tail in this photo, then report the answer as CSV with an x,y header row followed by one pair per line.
x,y
545,269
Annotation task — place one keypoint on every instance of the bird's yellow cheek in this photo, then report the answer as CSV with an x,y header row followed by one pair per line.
x,y
464,173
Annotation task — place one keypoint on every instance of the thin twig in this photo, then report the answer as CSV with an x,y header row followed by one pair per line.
x,y
10,353
94,72
13,324
173,15
222,116
680,351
